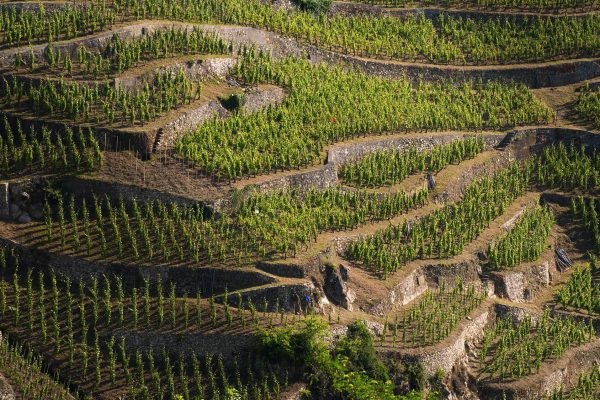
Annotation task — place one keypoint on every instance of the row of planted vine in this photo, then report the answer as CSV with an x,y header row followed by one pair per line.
x,y
510,350
388,167
586,388
588,105
329,104
433,318
582,290
585,210
75,324
101,102
26,26
42,149
446,39
445,232
118,55
524,242
558,6
279,223
27,371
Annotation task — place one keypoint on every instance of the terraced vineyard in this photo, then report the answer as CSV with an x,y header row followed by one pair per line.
x,y
304,199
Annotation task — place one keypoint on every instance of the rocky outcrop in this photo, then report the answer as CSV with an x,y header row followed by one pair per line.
x,y
522,284
292,297
336,289
21,201
200,69
263,96
321,178
409,288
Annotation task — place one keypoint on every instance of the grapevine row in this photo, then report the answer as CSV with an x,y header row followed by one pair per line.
x,y
388,167
582,290
588,105
525,241
412,38
46,150
102,103
433,318
513,351
329,104
279,224
32,26
537,5
119,55
445,232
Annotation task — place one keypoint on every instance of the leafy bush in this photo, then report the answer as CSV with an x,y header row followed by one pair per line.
x,y
233,102
315,6
358,347
351,371
299,344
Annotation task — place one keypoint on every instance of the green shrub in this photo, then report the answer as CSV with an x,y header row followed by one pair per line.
x,y
315,6
233,102
299,344
358,347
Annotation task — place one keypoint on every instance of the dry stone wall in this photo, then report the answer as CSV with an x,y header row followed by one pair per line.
x,y
535,76
350,152
294,297
446,354
226,344
209,280
409,288
563,372
186,121
201,69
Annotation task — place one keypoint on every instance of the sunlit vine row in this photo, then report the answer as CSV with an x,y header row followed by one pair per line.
x,y
33,149
102,103
412,38
582,290
22,26
276,224
514,350
388,167
525,241
433,318
445,232
329,104
588,105
119,55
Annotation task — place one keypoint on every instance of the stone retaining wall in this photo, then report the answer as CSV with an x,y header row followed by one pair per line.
x,y
345,153
289,297
226,344
201,69
563,372
186,121
521,285
322,178
445,355
208,280
84,186
409,288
